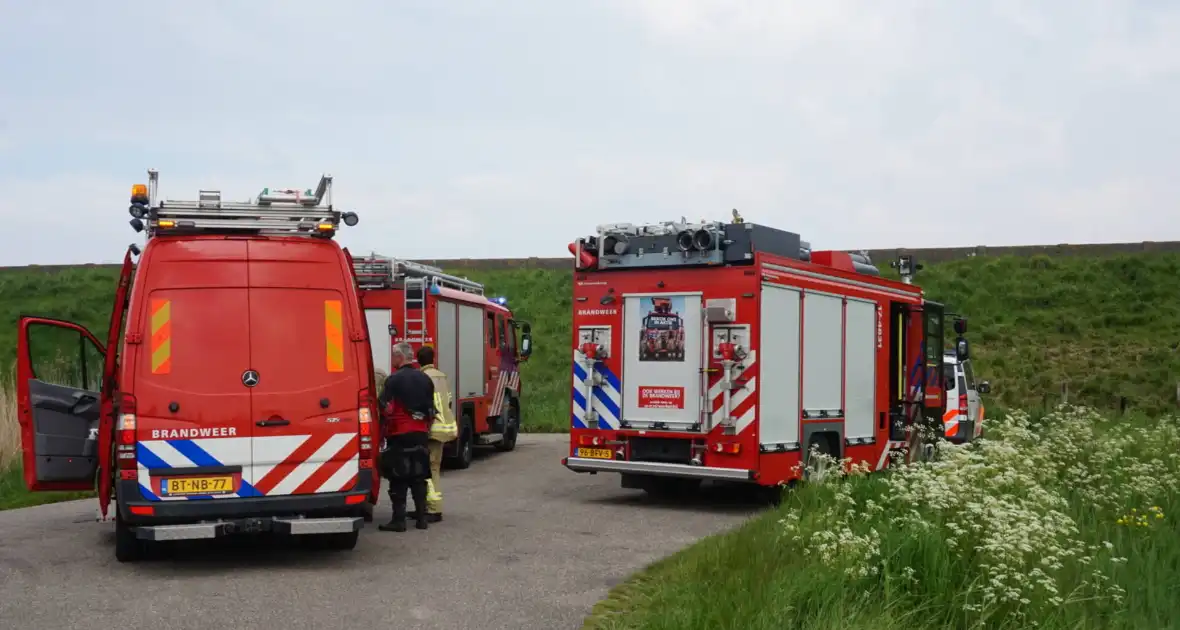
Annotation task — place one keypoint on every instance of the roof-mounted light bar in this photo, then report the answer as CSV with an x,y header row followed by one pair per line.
x,y
276,211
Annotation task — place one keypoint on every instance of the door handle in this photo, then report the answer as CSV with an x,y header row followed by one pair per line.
x,y
273,422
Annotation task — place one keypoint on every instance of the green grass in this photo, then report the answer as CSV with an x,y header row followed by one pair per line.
x,y
13,494
1039,513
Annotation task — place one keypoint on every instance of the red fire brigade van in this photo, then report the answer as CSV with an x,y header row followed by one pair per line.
x,y
477,344
233,390
784,350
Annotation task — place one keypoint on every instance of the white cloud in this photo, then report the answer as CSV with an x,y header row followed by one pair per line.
x,y
476,129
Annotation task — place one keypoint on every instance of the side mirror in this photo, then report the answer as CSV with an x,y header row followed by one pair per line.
x,y
962,349
526,341
961,326
392,330
983,387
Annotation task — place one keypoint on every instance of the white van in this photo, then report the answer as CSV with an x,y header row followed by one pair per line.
x,y
963,418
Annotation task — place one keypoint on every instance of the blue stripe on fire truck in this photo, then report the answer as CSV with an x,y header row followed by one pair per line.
x,y
606,400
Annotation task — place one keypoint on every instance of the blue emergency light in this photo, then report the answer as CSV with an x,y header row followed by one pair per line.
x,y
502,301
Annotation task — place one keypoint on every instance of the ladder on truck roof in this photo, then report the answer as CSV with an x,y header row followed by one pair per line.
x,y
275,211
383,272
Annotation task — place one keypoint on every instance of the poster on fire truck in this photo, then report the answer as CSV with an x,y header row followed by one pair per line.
x,y
661,336
661,366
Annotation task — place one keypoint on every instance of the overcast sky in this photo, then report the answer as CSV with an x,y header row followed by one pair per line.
x,y
503,128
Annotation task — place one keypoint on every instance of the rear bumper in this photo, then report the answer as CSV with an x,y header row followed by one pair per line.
x,y
241,513
659,469
217,529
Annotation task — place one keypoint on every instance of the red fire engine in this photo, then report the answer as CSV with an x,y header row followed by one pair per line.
x,y
475,339
781,350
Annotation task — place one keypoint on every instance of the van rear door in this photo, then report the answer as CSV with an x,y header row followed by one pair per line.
x,y
193,422
305,400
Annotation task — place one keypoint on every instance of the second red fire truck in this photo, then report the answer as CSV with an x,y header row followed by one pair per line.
x,y
478,344
778,350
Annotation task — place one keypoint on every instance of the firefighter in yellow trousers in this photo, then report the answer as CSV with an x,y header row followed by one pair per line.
x,y
443,430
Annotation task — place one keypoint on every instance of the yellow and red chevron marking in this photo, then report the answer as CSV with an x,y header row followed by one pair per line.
x,y
741,400
334,335
161,344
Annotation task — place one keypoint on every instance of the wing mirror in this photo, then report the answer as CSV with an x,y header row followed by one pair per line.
x,y
983,387
526,341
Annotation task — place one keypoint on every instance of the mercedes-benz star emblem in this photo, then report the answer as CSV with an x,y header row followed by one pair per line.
x,y
249,378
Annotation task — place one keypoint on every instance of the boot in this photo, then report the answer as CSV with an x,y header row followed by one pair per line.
x,y
397,496
419,492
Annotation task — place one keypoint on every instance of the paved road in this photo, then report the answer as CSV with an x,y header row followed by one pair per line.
x,y
525,544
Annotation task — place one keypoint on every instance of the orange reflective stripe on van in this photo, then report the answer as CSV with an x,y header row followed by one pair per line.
x,y
161,336
334,335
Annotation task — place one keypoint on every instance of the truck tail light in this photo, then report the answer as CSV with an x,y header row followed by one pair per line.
x,y
125,441
364,416
962,404
591,440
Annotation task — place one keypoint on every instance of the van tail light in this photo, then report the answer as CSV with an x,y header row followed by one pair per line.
x,y
364,415
962,404
125,438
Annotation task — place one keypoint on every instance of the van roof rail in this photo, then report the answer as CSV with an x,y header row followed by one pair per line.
x,y
284,211
382,272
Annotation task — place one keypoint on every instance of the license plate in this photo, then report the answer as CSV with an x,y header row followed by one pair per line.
x,y
197,486
596,453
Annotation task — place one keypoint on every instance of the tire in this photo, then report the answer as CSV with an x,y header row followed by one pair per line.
x,y
464,445
511,429
128,547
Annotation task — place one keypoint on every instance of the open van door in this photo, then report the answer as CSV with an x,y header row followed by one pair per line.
x,y
60,369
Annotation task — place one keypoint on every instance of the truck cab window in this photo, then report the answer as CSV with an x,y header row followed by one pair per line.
x,y
511,330
503,340
491,330
62,356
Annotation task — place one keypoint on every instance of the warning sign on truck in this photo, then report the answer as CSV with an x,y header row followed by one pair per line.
x,y
661,397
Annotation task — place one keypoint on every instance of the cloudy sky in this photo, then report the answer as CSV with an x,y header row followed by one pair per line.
x,y
495,128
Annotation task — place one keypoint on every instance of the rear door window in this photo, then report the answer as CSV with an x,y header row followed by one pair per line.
x,y
948,375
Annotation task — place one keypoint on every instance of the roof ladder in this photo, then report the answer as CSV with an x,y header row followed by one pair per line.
x,y
414,301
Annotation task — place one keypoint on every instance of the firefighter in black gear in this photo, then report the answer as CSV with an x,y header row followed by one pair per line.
x,y
407,404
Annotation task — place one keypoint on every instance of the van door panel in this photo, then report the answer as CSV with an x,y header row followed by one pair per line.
x,y
58,382
308,383
195,348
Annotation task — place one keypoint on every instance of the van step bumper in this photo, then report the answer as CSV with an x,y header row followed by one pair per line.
x,y
659,469
217,529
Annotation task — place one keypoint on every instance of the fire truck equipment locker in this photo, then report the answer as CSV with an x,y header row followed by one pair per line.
x,y
471,354
860,368
662,391
780,360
